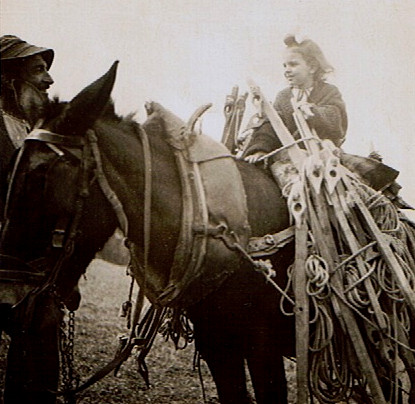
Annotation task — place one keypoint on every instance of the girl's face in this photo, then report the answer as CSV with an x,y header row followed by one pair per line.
x,y
297,71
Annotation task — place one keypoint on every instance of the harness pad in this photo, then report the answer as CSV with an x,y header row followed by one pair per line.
x,y
214,209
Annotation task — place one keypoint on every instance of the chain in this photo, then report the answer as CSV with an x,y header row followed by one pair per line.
x,y
70,379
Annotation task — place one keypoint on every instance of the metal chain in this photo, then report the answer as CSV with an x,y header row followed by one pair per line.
x,y
62,349
70,379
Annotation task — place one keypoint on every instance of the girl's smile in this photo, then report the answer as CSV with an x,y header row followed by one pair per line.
x,y
297,71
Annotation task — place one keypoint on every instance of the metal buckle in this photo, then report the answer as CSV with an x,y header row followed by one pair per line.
x,y
58,237
269,240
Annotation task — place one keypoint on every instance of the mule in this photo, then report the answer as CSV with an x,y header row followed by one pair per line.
x,y
58,215
238,321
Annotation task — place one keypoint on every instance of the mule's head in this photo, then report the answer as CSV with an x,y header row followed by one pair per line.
x,y
56,216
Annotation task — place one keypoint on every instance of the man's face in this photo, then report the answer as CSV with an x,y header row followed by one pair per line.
x,y
34,71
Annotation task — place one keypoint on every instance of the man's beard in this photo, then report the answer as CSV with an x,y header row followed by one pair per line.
x,y
32,101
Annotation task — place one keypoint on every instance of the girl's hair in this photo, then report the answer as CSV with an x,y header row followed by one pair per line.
x,y
312,54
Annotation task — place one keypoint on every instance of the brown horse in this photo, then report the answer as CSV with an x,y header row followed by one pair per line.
x,y
54,188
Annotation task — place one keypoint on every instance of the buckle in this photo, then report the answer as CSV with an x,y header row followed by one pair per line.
x,y
58,237
269,240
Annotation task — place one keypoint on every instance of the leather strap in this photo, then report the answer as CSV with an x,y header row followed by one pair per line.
x,y
50,137
191,248
105,186
270,243
25,277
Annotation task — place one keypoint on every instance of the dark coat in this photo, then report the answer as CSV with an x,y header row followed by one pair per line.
x,y
7,151
329,120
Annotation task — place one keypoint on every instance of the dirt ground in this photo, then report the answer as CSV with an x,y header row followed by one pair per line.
x,y
98,326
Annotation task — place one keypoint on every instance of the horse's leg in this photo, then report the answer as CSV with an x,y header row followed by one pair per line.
x,y
33,358
220,345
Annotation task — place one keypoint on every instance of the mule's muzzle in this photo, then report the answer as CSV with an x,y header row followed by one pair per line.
x,y
17,279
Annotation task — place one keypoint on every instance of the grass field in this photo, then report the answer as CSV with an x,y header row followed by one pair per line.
x,y
97,328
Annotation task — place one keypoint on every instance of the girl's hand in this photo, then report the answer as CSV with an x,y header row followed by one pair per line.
x,y
305,108
253,158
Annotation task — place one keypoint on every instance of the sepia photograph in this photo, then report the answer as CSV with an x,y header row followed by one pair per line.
x,y
207,201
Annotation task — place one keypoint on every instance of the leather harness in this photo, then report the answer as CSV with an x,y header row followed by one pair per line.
x,y
192,244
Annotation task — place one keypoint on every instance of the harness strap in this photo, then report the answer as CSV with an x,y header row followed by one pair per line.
x,y
191,246
50,137
21,276
104,184
270,243
147,194
139,332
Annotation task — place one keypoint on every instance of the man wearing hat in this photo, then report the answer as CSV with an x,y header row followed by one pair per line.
x,y
25,80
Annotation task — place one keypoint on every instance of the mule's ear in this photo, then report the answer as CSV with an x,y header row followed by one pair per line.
x,y
86,107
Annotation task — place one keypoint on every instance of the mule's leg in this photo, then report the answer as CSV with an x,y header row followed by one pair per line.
x,y
227,366
33,359
266,368
219,344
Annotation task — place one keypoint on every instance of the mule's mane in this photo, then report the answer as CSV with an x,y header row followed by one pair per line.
x,y
57,110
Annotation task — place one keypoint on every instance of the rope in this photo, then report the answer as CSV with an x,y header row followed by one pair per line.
x,y
279,150
197,365
262,266
331,373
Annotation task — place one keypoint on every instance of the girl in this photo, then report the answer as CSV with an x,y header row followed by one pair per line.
x,y
305,69
321,103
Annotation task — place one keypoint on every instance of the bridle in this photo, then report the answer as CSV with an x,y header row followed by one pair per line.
x,y
63,239
86,150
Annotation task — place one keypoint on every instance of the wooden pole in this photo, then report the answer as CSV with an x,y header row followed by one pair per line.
x,y
355,248
322,231
229,111
301,311
301,298
234,110
295,153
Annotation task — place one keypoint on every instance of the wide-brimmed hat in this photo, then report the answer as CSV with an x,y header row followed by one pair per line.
x,y
12,48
